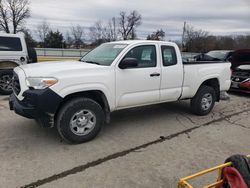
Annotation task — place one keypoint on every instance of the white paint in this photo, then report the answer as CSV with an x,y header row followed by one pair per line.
x,y
14,56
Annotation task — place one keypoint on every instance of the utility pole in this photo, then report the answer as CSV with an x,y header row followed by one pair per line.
x,y
183,34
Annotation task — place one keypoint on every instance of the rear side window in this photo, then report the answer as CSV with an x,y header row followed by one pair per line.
x,y
168,55
10,44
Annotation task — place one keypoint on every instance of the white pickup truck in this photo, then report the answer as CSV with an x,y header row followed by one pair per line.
x,y
77,97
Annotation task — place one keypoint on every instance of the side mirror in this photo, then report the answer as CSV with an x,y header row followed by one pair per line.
x,y
128,63
230,59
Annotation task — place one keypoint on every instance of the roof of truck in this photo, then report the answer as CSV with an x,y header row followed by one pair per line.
x,y
11,35
141,41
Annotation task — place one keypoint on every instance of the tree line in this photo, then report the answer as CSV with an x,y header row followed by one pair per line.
x,y
198,40
14,13
116,28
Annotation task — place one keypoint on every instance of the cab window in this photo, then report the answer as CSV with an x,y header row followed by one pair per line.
x,y
145,55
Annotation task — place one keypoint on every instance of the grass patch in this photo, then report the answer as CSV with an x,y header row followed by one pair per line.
x,y
44,59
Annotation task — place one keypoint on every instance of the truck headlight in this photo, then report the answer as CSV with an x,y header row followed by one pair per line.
x,y
40,83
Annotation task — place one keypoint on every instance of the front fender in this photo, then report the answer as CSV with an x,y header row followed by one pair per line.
x,y
63,92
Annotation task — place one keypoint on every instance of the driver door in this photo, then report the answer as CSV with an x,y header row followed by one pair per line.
x,y
139,85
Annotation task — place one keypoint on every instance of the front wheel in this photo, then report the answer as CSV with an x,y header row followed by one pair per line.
x,y
203,102
80,120
6,82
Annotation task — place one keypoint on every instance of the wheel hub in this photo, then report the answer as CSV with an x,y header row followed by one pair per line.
x,y
82,122
6,82
206,101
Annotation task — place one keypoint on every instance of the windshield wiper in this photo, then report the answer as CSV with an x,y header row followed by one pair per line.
x,y
93,62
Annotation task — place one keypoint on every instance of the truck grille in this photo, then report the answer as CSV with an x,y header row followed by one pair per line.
x,y
16,84
242,74
238,79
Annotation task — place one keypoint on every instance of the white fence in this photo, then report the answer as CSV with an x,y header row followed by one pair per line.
x,y
59,52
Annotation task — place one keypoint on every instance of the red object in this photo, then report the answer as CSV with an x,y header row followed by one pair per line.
x,y
245,85
240,77
233,178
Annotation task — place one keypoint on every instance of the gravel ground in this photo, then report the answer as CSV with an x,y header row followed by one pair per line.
x,y
152,146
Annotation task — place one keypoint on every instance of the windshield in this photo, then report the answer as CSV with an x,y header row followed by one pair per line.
x,y
221,55
104,54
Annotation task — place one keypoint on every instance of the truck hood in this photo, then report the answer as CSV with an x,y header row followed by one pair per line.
x,y
56,68
240,57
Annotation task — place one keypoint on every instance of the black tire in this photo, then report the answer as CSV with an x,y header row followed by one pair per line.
x,y
32,55
242,164
69,111
197,105
6,82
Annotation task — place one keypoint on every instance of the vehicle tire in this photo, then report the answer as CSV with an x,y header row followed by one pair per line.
x,y
242,164
32,55
203,102
6,82
80,120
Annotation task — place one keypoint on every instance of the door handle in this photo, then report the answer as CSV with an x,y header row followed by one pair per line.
x,y
155,74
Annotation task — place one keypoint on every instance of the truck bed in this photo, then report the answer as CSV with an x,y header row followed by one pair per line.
x,y
196,72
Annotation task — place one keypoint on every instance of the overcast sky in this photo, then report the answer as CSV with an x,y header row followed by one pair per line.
x,y
219,17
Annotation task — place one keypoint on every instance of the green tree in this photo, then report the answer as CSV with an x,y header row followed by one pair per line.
x,y
30,41
54,40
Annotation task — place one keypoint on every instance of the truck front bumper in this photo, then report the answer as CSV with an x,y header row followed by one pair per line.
x,y
41,105
21,109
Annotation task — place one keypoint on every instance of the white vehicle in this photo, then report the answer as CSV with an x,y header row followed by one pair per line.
x,y
13,52
78,96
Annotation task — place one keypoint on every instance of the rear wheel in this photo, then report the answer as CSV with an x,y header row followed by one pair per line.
x,y
80,120
6,82
203,102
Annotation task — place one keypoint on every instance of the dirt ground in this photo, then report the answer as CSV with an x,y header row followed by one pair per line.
x,y
152,146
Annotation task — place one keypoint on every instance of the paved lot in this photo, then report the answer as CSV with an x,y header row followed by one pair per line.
x,y
129,152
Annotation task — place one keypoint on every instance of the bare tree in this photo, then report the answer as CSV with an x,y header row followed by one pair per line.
x,y
95,31
242,41
198,40
4,17
99,33
14,13
125,25
19,12
195,39
42,30
128,23
69,40
112,30
77,33
157,35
